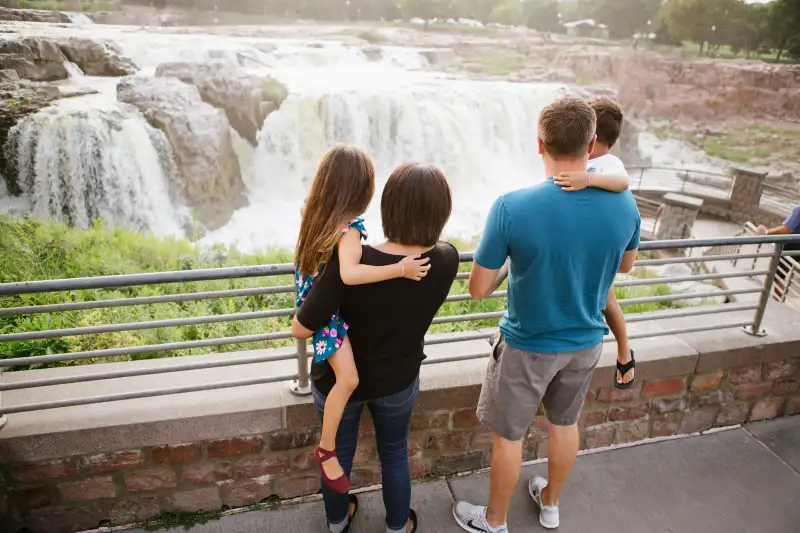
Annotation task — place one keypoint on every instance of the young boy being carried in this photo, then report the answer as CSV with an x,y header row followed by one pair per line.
x,y
606,171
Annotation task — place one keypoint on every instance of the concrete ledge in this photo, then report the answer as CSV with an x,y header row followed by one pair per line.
x,y
69,469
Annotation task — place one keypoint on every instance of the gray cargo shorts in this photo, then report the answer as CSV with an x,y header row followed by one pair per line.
x,y
517,381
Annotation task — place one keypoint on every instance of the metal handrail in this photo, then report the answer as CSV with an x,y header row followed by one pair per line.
x,y
681,174
300,354
788,290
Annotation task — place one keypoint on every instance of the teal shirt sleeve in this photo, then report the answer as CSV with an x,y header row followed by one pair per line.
x,y
634,244
493,249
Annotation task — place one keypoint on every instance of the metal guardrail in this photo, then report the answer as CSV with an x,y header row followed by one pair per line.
x,y
300,355
682,180
786,289
733,249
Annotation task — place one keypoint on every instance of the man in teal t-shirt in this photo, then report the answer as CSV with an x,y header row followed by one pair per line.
x,y
562,251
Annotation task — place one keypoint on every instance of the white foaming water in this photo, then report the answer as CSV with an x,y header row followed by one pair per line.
x,y
90,157
74,71
79,19
482,135
79,166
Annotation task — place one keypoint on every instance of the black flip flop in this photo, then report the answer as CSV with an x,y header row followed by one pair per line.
x,y
412,515
624,369
354,502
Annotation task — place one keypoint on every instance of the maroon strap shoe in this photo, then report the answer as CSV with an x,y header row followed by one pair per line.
x,y
340,485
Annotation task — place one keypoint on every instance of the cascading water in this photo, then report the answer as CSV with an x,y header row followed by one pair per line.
x,y
77,166
74,71
91,157
79,19
482,135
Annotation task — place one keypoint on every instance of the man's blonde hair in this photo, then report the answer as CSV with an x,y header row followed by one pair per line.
x,y
567,127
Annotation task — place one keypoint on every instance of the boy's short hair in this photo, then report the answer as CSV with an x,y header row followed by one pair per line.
x,y
415,205
567,127
609,120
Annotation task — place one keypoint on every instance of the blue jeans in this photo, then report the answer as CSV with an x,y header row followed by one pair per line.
x,y
392,418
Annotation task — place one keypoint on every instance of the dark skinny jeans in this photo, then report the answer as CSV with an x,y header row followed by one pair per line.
x,y
391,416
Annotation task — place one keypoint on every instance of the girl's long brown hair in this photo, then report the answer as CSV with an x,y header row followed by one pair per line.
x,y
342,190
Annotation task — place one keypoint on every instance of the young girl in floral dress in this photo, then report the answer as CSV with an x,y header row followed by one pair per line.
x,y
342,190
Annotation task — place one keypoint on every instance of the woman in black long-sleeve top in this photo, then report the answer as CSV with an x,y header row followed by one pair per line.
x,y
388,322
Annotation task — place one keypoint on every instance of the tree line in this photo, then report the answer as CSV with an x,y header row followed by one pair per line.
x,y
748,28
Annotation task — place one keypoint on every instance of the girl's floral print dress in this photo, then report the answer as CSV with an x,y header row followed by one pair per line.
x,y
328,339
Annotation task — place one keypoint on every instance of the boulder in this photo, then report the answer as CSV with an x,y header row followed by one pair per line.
x,y
33,15
246,98
42,59
33,58
96,59
201,141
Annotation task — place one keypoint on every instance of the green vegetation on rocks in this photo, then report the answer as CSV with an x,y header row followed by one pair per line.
x,y
275,91
495,61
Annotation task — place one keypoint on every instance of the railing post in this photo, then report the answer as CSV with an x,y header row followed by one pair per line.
x,y
755,328
3,418
789,278
302,385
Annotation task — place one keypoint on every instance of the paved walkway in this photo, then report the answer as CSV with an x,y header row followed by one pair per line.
x,y
737,481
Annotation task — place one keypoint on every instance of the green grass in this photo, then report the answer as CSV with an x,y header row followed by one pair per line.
x,y
691,50
454,28
755,143
36,250
495,61
719,147
185,521
33,250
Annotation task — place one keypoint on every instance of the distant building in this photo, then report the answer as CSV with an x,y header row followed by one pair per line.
x,y
586,28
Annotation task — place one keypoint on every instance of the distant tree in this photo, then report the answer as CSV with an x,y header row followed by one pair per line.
x,y
160,4
476,9
14,4
575,10
748,30
509,12
542,15
784,23
73,5
425,9
700,21
793,47
624,18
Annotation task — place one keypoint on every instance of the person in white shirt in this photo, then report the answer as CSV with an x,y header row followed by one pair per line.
x,y
606,171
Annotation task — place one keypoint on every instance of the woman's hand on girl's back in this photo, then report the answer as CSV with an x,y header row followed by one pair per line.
x,y
415,267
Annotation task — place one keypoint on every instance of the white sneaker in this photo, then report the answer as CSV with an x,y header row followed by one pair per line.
x,y
548,514
472,518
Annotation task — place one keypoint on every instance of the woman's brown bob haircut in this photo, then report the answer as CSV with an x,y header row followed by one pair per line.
x,y
416,205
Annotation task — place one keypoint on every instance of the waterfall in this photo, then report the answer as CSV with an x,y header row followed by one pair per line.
x,y
74,71
79,19
482,135
78,166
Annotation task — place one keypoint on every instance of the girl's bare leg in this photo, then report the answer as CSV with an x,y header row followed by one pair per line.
x,y
616,323
344,367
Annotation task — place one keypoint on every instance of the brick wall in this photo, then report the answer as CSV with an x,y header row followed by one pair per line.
x,y
68,494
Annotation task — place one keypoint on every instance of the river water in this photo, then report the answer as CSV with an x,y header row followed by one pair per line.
x,y
92,156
